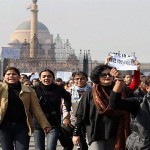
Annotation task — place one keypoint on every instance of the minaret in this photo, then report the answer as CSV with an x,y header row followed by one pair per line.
x,y
34,26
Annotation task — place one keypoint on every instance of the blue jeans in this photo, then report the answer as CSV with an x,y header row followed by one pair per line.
x,y
14,135
52,138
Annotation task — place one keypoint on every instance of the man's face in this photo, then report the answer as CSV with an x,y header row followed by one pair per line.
x,y
80,80
22,78
128,79
143,85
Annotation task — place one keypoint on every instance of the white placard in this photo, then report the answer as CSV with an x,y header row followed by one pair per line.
x,y
65,76
122,61
9,52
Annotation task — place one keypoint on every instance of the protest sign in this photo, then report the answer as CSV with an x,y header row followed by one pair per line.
x,y
64,75
122,61
9,52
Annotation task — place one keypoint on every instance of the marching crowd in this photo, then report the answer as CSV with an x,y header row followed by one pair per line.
x,y
109,112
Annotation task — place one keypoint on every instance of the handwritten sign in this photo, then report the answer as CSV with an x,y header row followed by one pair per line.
x,y
122,61
9,52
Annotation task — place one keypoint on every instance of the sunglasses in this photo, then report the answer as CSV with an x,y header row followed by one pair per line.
x,y
104,75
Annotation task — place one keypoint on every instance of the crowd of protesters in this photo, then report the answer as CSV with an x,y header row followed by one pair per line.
x,y
100,114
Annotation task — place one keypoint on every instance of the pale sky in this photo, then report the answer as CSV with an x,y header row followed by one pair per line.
x,y
101,26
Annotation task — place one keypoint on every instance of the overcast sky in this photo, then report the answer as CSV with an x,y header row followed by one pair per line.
x,y
101,26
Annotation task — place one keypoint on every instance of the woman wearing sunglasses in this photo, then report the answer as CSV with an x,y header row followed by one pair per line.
x,y
103,126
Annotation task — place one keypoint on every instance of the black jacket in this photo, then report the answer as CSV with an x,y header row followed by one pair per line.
x,y
141,110
98,126
50,98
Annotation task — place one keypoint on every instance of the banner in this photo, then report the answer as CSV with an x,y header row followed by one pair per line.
x,y
122,61
65,76
9,52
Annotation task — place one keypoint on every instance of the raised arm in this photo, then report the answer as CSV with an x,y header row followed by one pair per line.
x,y
136,77
131,105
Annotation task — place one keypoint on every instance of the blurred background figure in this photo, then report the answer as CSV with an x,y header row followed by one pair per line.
x,y
27,83
35,81
59,82
23,77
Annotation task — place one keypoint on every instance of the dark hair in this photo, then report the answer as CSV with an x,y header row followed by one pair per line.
x,y
37,79
59,80
126,73
97,71
11,68
26,81
147,81
79,73
24,75
47,70
143,78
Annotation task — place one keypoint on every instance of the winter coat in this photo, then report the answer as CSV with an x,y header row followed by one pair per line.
x,y
30,102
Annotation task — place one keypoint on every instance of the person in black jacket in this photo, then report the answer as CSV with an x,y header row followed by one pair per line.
x,y
50,97
101,125
140,108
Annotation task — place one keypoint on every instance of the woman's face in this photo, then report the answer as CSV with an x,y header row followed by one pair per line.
x,y
80,80
11,77
46,78
105,78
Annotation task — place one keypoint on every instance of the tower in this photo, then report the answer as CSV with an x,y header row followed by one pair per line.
x,y
33,32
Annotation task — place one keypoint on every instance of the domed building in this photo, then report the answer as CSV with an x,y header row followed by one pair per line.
x,y
37,49
21,39
22,32
42,42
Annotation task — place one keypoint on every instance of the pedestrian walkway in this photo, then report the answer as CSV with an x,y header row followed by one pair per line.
x,y
32,147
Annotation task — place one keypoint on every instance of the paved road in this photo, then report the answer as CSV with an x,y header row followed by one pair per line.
x,y
59,147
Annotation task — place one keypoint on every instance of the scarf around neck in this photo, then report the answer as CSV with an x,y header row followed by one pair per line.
x,y
101,100
76,90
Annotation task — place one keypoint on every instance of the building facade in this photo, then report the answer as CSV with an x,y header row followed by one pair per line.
x,y
38,49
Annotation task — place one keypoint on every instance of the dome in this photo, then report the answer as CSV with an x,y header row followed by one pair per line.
x,y
22,32
27,25
15,41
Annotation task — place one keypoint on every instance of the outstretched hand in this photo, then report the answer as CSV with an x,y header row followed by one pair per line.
x,y
107,59
138,64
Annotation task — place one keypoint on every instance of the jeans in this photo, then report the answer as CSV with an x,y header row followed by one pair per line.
x,y
52,138
14,135
108,144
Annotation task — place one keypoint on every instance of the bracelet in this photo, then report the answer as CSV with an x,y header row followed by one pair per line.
x,y
119,79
